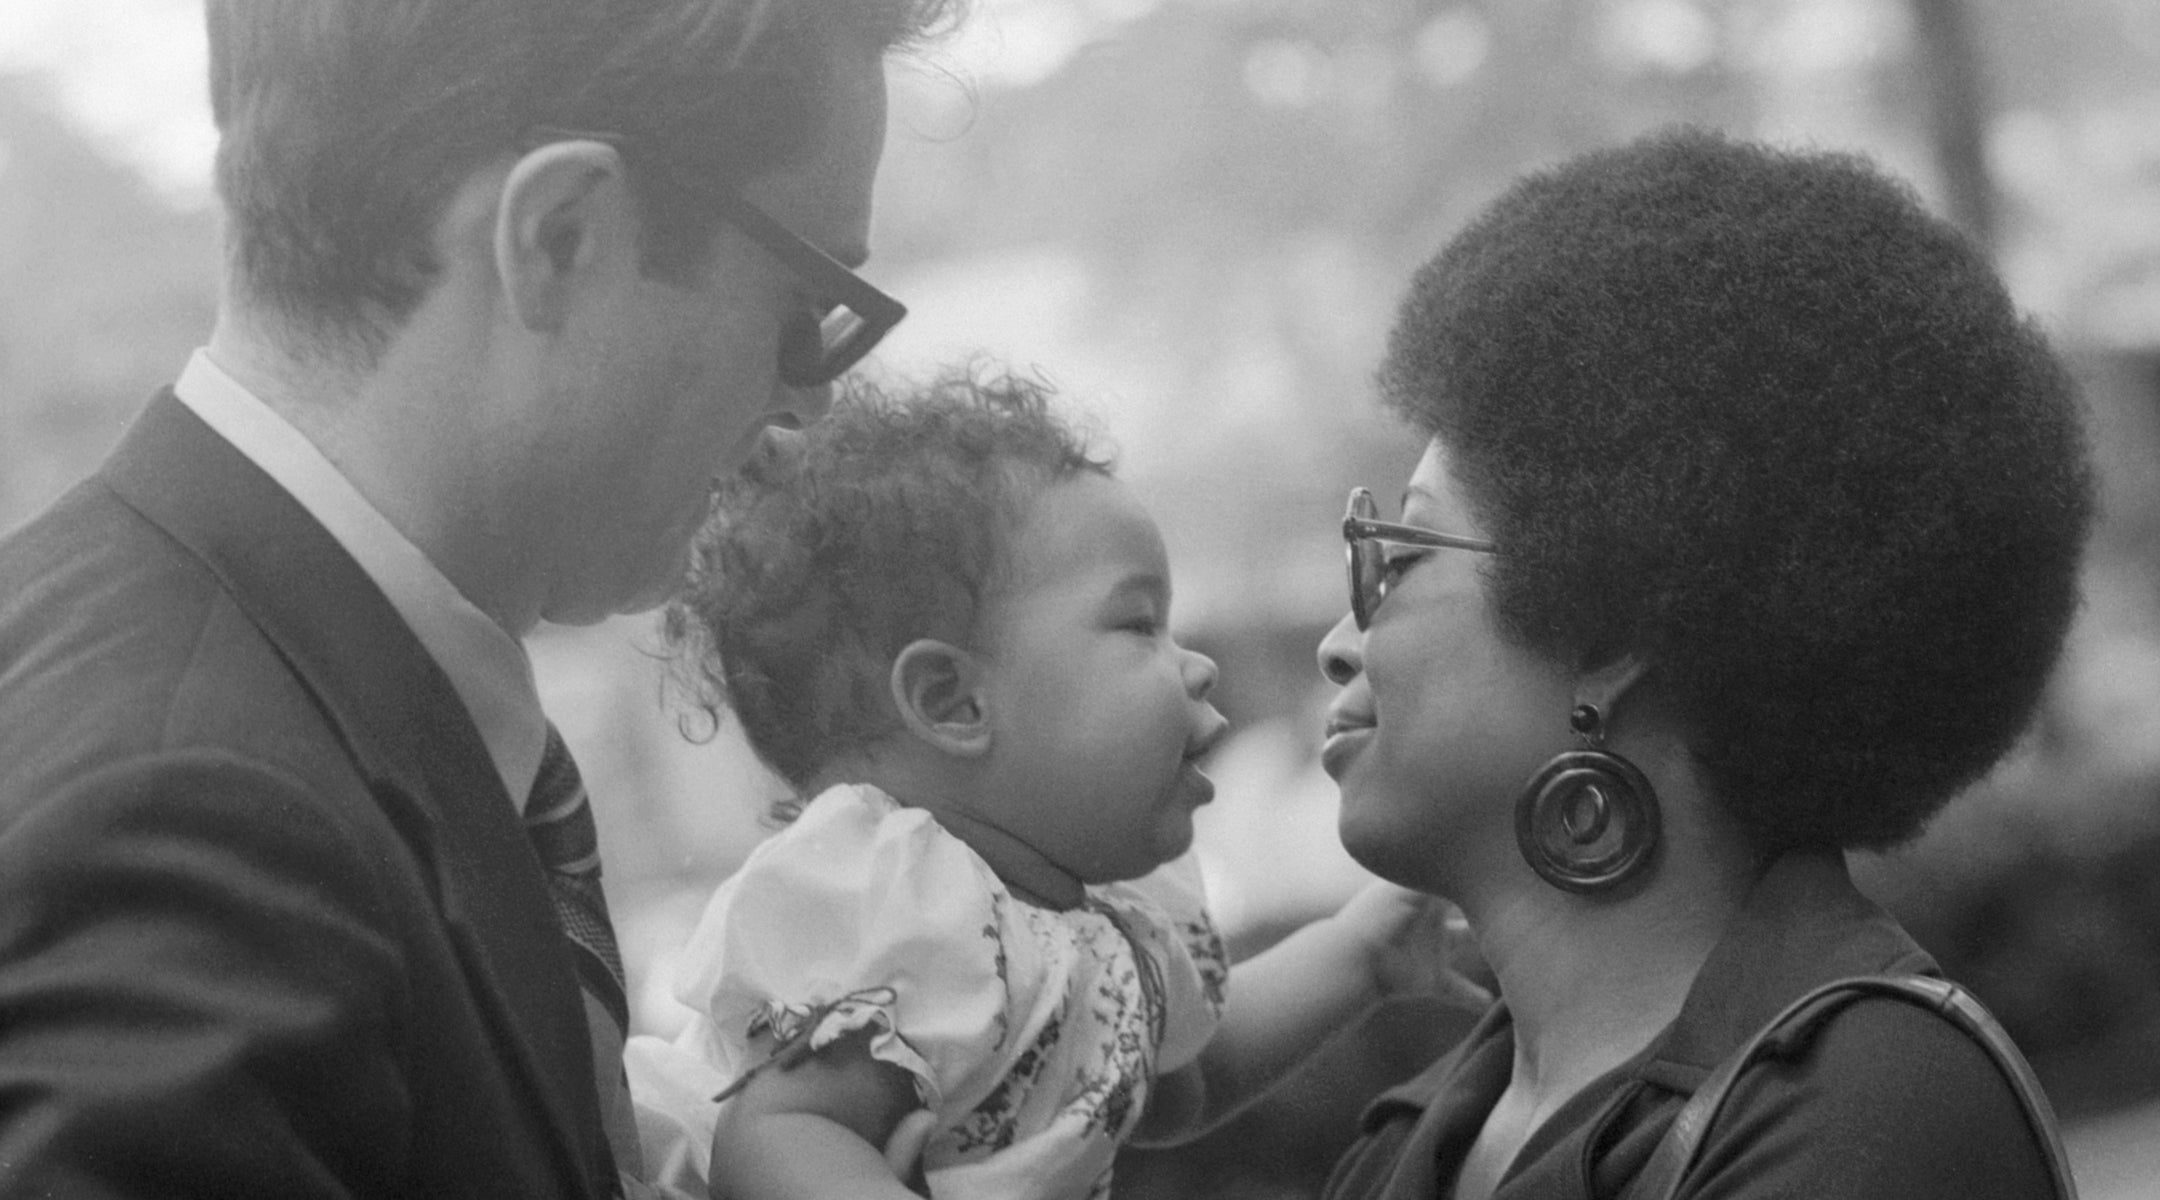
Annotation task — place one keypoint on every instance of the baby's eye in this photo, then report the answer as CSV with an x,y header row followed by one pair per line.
x,y
1145,625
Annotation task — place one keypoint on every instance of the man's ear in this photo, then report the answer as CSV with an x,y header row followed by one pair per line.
x,y
563,209
938,689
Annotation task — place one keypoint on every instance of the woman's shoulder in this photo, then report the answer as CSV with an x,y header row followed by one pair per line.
x,y
1901,1060
1886,1098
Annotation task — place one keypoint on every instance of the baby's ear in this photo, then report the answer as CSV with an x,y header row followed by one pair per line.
x,y
937,687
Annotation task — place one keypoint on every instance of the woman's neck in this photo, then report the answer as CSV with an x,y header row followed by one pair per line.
x,y
1588,987
1588,983
1591,981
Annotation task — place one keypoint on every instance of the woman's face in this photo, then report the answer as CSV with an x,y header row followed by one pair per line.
x,y
1440,722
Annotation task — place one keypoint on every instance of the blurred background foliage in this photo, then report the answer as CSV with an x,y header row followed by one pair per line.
x,y
1195,216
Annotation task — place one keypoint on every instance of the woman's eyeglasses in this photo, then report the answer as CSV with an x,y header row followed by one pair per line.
x,y
1366,534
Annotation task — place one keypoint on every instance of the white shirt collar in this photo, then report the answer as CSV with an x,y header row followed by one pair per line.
x,y
489,668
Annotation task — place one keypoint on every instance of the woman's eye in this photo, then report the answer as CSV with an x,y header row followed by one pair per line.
x,y
1397,562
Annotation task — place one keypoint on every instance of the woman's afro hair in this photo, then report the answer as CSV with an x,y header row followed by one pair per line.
x,y
1758,418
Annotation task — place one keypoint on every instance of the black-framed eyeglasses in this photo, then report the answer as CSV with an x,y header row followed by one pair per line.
x,y
1365,534
849,317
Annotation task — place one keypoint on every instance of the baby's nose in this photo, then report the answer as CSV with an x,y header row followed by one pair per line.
x,y
1200,674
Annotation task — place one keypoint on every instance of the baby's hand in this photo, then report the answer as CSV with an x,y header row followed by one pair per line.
x,y
1419,945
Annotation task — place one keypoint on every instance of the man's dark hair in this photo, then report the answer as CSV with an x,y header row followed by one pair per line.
x,y
888,521
1758,417
347,124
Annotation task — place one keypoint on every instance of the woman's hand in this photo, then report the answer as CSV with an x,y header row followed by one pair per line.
x,y
1290,999
1418,945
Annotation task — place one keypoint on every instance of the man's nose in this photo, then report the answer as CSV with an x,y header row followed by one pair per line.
x,y
797,407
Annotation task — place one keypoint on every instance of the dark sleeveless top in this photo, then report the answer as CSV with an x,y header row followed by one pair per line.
x,y
1888,1101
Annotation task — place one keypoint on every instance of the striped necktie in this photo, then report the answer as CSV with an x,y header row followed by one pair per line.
x,y
560,822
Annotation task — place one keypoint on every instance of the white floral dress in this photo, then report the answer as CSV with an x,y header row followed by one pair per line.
x,y
1033,1034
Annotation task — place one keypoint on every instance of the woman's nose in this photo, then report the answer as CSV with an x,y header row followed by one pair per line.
x,y
1342,652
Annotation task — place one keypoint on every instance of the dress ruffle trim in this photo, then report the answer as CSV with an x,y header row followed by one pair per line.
x,y
801,1030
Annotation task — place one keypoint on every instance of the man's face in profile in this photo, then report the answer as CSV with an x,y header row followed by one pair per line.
x,y
685,375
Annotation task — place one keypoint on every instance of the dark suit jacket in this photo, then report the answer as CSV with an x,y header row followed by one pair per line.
x,y
269,925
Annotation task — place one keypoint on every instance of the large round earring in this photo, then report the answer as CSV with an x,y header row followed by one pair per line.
x,y
1587,822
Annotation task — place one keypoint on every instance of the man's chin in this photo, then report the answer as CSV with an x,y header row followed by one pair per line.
x,y
579,615
653,596
592,608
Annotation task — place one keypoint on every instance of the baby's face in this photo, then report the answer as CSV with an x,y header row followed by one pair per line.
x,y
1097,715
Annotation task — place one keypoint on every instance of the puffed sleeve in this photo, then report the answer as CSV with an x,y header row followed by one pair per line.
x,y
861,916
1168,913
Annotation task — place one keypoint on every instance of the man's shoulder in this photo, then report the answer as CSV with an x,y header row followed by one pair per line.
x,y
95,608
116,644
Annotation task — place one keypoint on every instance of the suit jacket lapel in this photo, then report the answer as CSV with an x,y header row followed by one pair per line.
x,y
403,724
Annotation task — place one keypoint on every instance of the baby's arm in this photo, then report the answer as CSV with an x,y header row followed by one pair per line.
x,y
1285,1003
814,1128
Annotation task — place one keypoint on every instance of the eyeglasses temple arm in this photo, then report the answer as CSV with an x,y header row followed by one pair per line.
x,y
1386,531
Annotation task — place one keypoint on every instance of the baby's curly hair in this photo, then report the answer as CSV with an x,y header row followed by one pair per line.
x,y
1759,418
884,523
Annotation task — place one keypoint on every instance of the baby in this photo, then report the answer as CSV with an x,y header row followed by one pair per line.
x,y
943,621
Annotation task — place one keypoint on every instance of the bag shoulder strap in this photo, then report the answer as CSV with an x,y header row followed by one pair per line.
x,y
1675,1154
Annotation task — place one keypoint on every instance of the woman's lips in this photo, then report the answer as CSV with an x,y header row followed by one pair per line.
x,y
1346,736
